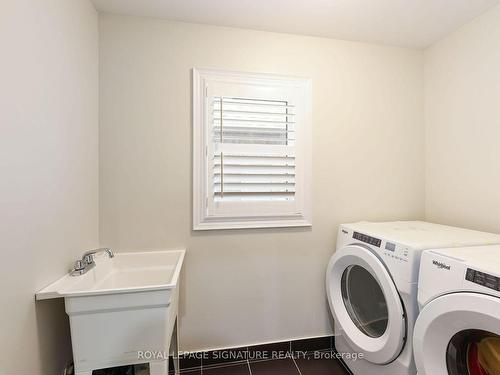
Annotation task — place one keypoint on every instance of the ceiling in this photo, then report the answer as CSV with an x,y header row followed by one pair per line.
x,y
409,23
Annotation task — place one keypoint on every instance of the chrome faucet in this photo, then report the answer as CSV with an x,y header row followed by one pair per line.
x,y
87,262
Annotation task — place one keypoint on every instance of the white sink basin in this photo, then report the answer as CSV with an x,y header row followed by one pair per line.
x,y
124,306
124,273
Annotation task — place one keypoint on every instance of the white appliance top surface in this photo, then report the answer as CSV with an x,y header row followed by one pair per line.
x,y
420,235
486,258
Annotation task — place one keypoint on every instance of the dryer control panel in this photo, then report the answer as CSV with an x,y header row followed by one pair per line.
x,y
398,258
484,279
394,251
389,250
367,239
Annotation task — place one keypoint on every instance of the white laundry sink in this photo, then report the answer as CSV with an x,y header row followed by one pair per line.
x,y
124,273
123,311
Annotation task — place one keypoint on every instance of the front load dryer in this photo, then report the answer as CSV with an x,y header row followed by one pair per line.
x,y
458,329
371,284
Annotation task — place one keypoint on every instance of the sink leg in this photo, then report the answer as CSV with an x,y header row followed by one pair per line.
x,y
158,368
174,348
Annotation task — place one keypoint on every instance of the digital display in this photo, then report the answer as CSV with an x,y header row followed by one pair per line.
x,y
390,246
367,239
481,278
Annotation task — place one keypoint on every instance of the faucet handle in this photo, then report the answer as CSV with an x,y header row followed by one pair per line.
x,y
79,265
88,258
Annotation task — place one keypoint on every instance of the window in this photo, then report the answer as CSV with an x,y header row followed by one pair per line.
x,y
252,154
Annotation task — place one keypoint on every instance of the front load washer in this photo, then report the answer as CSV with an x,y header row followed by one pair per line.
x,y
458,329
371,284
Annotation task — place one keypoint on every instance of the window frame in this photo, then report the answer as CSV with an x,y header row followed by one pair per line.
x,y
205,220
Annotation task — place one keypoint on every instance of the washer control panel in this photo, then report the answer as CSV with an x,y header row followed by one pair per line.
x,y
484,279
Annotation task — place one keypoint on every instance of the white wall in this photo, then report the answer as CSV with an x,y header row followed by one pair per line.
x,y
248,286
462,116
48,169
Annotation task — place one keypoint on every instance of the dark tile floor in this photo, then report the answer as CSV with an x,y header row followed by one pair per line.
x,y
312,356
306,364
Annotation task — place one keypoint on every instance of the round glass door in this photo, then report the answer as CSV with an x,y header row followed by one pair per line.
x,y
458,334
365,304
364,300
473,352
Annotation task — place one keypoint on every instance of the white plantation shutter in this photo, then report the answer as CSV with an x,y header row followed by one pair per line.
x,y
251,164
265,171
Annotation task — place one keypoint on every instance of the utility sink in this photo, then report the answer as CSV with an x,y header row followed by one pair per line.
x,y
123,311
124,273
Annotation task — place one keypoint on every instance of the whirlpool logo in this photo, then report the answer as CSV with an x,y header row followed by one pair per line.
x,y
441,265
